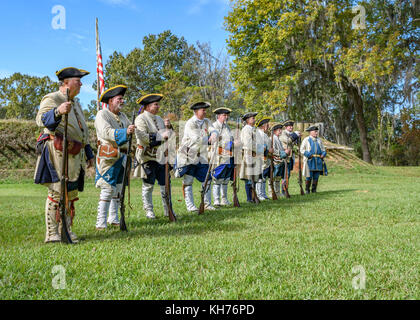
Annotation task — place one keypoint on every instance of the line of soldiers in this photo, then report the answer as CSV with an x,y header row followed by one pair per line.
x,y
208,152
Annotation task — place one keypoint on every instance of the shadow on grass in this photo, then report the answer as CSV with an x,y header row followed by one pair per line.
x,y
223,220
210,221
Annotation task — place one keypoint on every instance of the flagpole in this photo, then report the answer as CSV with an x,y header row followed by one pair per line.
x,y
98,90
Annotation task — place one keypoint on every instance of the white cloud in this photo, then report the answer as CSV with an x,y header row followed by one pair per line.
x,y
117,2
78,36
196,6
121,3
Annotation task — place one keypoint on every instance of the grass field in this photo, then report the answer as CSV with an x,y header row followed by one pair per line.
x,y
307,247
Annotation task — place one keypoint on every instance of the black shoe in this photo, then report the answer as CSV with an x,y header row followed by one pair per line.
x,y
308,187
248,193
314,185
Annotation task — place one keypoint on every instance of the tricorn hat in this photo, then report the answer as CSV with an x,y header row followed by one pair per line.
x,y
249,115
222,111
71,72
113,92
288,123
263,121
200,105
149,98
277,126
312,128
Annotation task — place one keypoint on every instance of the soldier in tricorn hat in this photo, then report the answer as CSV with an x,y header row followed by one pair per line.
x,y
50,149
224,165
251,165
154,137
278,158
313,162
265,143
288,138
113,129
193,158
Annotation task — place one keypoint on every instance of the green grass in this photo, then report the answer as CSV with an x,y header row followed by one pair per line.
x,y
300,248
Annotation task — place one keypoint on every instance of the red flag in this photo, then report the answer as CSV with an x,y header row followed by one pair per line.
x,y
99,70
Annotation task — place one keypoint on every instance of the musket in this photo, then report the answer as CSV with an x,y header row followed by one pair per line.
x,y
253,192
235,173
286,185
64,197
204,188
126,179
302,193
168,197
273,191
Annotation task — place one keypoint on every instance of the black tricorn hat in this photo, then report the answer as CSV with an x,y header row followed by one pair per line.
x,y
113,92
200,105
277,126
71,72
149,98
263,121
249,115
288,123
222,111
312,128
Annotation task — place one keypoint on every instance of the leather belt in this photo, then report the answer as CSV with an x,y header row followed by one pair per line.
x,y
225,152
74,146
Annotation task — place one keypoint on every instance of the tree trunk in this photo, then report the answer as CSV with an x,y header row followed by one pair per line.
x,y
360,120
341,123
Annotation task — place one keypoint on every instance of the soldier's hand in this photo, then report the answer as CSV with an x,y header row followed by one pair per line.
x,y
271,150
131,128
287,151
64,108
212,138
167,123
90,163
165,134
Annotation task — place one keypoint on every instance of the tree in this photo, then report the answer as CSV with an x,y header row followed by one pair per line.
x,y
307,51
164,58
183,73
20,95
90,112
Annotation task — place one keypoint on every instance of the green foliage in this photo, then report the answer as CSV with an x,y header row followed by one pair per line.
x,y
167,64
304,57
165,58
20,95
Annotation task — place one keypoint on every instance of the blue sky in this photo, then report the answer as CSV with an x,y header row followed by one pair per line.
x,y
31,45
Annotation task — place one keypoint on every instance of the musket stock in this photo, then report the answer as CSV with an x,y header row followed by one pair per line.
x,y
168,197
235,173
300,169
126,180
204,188
64,201
273,191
